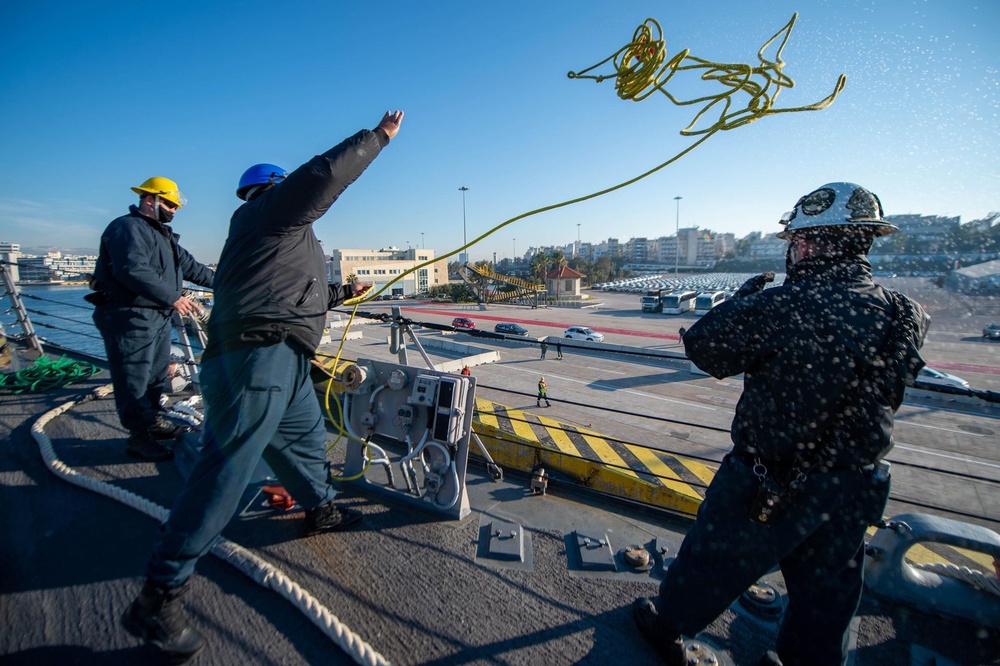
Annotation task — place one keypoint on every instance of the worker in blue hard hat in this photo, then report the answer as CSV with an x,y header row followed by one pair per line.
x,y
271,299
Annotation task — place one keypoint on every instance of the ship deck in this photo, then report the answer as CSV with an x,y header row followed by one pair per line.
x,y
414,586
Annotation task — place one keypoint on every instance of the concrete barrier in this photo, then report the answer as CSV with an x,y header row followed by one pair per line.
x,y
584,345
471,355
334,334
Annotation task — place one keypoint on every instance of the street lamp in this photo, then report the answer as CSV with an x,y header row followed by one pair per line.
x,y
514,256
465,239
422,245
677,255
577,239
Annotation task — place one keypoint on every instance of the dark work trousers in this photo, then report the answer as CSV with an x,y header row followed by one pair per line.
x,y
137,342
818,543
259,402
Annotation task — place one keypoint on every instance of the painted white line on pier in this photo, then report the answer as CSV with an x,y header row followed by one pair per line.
x,y
605,387
981,463
930,427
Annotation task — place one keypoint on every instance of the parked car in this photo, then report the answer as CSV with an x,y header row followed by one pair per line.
x,y
463,322
510,329
992,331
938,378
583,333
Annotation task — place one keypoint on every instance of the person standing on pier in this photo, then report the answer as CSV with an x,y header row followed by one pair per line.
x,y
826,358
138,278
543,393
272,297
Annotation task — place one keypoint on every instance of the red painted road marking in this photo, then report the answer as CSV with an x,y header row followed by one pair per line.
x,y
941,365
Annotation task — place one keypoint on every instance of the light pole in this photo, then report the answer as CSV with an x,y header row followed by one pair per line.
x,y
422,246
677,255
465,240
514,255
578,239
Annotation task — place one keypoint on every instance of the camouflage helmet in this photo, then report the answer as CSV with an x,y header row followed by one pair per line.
x,y
836,204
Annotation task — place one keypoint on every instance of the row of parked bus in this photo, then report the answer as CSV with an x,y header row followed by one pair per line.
x,y
679,302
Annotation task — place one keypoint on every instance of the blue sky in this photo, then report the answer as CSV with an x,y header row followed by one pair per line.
x,y
99,96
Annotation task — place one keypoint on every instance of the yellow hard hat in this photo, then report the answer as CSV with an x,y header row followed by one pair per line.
x,y
163,188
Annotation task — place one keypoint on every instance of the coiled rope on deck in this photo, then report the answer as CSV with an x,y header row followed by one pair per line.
x,y
245,561
45,374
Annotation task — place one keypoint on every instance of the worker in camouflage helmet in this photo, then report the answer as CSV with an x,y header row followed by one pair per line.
x,y
826,357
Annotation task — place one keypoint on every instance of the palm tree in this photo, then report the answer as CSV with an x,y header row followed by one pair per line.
x,y
558,263
540,265
353,279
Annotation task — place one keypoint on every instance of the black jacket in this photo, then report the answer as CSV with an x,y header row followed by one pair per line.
x,y
141,264
802,346
271,283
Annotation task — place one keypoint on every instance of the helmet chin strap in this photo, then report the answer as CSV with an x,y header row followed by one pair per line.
x,y
798,249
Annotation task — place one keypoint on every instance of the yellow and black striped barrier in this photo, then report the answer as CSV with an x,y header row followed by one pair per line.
x,y
526,441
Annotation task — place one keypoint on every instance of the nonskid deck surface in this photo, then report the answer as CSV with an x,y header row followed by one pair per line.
x,y
417,588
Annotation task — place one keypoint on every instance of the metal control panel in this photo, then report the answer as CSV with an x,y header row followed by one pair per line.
x,y
409,432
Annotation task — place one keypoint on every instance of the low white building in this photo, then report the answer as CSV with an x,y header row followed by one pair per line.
x,y
380,267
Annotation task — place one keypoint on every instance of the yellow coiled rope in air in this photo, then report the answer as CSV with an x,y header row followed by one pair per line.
x,y
641,68
640,71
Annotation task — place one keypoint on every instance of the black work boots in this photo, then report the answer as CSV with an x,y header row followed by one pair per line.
x,y
166,429
329,518
151,444
671,650
144,446
157,617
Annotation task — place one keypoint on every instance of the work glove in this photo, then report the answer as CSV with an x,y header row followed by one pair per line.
x,y
754,284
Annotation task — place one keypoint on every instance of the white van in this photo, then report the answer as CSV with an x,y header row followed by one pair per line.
x,y
678,302
707,301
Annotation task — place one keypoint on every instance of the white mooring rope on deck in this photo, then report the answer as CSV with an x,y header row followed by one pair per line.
x,y
976,579
245,561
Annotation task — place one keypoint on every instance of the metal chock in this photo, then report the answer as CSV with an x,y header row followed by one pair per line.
x,y
890,576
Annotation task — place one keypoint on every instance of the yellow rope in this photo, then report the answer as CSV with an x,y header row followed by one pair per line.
x,y
639,72
650,72
642,68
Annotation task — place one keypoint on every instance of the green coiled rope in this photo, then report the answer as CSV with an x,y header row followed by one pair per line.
x,y
45,374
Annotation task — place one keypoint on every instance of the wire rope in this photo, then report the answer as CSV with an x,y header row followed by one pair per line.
x,y
972,577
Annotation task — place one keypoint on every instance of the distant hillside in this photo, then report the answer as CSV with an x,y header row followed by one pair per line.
x,y
43,249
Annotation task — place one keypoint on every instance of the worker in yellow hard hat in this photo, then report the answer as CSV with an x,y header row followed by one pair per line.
x,y
543,393
138,282
163,190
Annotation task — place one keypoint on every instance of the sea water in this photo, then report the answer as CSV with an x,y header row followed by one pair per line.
x,y
59,314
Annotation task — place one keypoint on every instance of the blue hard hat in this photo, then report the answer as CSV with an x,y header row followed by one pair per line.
x,y
259,174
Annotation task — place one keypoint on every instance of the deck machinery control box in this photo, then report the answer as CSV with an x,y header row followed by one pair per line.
x,y
417,424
